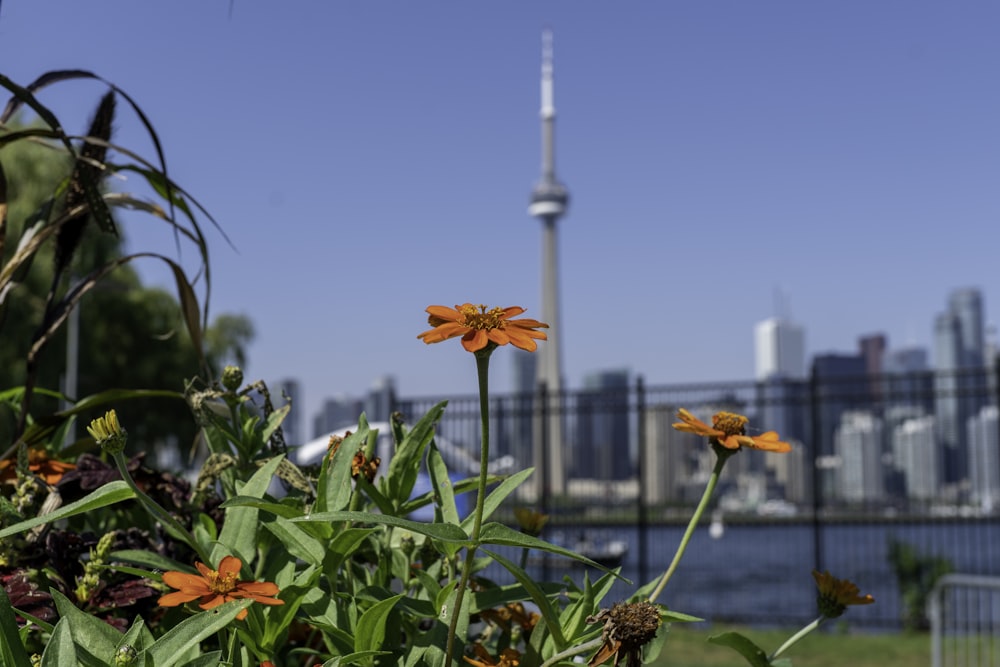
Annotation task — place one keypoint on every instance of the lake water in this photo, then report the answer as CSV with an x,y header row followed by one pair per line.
x,y
761,573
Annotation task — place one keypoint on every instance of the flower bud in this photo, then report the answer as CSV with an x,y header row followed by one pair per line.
x,y
232,378
108,433
125,656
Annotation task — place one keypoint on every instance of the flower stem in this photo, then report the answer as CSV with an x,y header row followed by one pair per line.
x,y
797,636
483,371
574,650
723,455
171,524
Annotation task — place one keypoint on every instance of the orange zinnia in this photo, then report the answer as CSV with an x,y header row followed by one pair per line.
x,y
39,463
835,594
729,430
479,327
213,588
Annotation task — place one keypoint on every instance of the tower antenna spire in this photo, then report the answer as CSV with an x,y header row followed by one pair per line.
x,y
548,203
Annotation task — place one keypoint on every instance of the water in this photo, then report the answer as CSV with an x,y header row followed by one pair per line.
x,y
761,573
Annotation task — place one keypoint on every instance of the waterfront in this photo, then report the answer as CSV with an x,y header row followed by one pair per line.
x,y
761,573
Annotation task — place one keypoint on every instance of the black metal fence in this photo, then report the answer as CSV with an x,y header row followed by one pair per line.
x,y
890,476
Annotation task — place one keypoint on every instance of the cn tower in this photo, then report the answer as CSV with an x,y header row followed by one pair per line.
x,y
548,204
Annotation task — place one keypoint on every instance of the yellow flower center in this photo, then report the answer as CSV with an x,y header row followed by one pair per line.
x,y
222,584
481,318
730,423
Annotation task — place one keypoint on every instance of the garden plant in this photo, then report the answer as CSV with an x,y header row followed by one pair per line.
x,y
105,560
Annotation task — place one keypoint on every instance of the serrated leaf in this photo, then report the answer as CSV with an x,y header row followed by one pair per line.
x,y
753,654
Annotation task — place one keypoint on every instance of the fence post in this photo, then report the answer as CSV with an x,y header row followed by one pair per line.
x,y
542,458
640,410
816,429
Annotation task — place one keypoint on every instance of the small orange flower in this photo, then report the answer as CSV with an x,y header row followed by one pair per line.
x,y
729,430
835,594
39,463
479,327
509,657
213,588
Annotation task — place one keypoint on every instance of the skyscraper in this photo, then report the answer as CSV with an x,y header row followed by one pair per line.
x,y
779,350
959,380
548,204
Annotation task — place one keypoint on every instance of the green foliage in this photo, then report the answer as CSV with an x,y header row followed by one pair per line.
x,y
916,574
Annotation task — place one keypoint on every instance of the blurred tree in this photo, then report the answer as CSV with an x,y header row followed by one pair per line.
x,y
131,336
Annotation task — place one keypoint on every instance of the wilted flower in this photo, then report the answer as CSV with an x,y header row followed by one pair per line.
x,y
213,588
628,626
835,594
108,433
479,327
530,521
728,430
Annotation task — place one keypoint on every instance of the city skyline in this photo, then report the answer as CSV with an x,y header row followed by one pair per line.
x,y
368,160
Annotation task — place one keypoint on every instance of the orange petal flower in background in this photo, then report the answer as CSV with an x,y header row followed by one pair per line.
x,y
39,463
729,430
835,594
479,326
213,588
509,657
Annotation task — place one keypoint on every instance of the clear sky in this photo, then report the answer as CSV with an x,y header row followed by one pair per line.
x,y
371,158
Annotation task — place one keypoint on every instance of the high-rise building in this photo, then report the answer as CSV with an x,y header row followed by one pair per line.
x,y
916,454
548,203
337,413
666,462
984,457
779,350
960,382
858,445
602,444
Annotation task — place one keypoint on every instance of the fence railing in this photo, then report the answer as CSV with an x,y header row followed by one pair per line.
x,y
877,460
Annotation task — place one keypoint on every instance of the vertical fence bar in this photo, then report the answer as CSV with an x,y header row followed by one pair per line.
x,y
640,409
815,428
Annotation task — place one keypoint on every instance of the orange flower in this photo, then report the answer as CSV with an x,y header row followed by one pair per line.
x,y
509,657
835,594
729,430
39,463
479,327
213,588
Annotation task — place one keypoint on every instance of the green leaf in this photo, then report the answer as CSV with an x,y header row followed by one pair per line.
x,y
497,533
239,530
187,634
278,509
11,649
356,658
445,532
212,659
149,559
538,596
669,616
498,495
334,486
370,632
442,486
109,494
95,640
60,649
296,541
754,654
405,463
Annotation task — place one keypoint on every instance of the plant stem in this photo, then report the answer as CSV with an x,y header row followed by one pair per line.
x,y
574,650
483,371
796,637
722,456
171,524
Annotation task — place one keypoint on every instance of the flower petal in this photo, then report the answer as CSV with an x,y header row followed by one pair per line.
x,y
475,340
769,442
176,598
444,313
188,583
230,565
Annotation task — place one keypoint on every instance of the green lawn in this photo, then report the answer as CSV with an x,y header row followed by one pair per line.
x,y
687,647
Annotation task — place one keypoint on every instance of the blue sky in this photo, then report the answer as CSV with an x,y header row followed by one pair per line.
x,y
371,158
